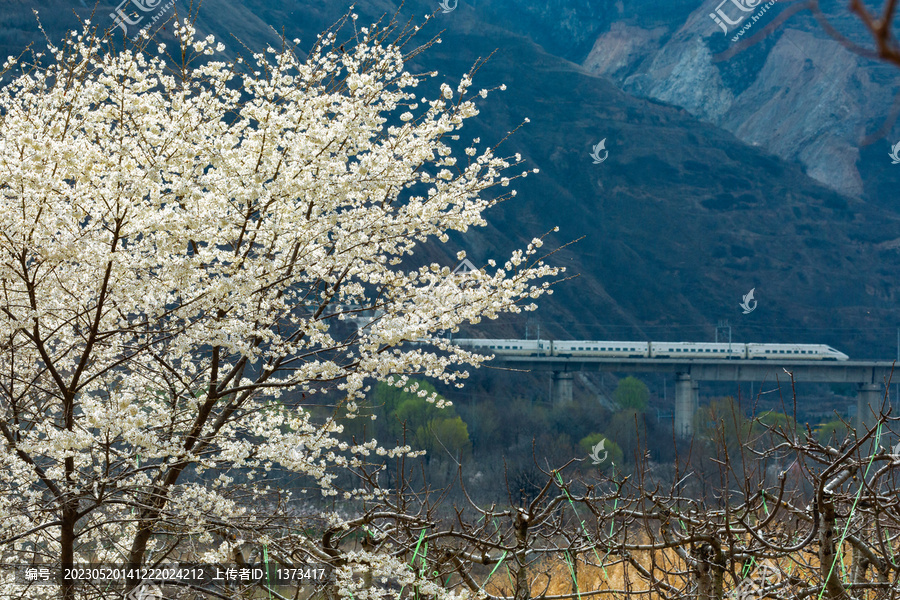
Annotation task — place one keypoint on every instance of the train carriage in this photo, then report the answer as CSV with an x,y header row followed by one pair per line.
x,y
794,351
508,346
600,349
697,350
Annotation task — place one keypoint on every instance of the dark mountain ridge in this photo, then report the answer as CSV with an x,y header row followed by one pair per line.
x,y
679,222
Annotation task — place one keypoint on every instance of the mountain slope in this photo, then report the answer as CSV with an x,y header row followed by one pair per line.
x,y
679,221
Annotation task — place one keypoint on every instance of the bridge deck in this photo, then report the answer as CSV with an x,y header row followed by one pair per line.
x,y
700,369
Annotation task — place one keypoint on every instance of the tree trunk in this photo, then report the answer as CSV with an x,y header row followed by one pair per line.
x,y
522,591
710,573
67,544
829,570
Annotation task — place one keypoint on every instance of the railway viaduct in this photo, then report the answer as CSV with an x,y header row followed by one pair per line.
x,y
870,376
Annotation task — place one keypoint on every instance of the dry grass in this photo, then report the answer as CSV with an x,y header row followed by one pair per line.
x,y
555,577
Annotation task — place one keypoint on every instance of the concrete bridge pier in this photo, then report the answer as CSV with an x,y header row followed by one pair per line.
x,y
869,397
687,400
562,387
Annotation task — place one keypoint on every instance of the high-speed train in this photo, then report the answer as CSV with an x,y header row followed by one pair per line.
x,y
608,349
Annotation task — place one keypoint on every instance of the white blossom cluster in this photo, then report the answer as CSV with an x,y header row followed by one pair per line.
x,y
379,576
175,240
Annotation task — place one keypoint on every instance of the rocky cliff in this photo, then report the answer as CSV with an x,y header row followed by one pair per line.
x,y
778,82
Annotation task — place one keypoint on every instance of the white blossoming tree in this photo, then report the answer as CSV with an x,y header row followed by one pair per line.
x,y
181,241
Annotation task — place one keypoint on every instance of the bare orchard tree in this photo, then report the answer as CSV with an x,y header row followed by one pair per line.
x,y
790,517
181,240
509,551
